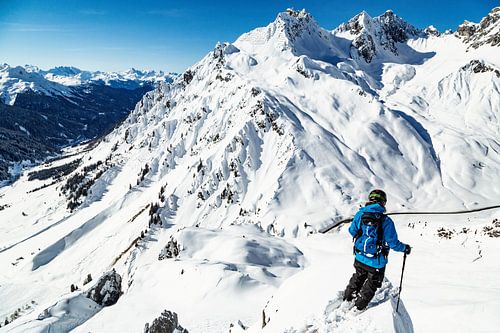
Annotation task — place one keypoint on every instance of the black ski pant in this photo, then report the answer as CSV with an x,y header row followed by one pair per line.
x,y
363,284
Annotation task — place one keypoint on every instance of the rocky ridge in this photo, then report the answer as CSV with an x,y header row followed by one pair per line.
x,y
486,32
384,31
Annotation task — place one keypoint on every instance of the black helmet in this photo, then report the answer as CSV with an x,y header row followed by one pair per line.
x,y
378,196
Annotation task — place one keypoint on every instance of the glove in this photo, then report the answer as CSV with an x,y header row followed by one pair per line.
x,y
407,249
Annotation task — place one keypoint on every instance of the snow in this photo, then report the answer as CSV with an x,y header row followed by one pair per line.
x,y
14,80
17,168
254,149
59,80
396,75
65,315
129,79
435,294
24,130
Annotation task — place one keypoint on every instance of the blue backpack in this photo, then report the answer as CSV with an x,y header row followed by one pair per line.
x,y
370,238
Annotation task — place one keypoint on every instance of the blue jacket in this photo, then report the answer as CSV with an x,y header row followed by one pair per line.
x,y
390,236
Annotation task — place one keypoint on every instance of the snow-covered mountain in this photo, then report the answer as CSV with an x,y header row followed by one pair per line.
x,y
15,80
207,199
58,80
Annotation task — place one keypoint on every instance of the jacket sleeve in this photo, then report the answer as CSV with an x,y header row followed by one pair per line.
x,y
391,236
354,227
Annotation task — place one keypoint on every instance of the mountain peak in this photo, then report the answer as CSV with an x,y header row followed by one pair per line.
x,y
296,13
18,72
380,32
356,24
388,22
485,32
289,31
64,70
295,24
432,31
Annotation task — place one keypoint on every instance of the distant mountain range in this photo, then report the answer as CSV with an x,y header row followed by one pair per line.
x,y
59,80
43,111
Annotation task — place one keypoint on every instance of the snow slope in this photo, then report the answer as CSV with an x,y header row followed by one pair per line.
x,y
243,158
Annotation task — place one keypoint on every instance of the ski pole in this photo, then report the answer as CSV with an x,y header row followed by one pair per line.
x,y
401,282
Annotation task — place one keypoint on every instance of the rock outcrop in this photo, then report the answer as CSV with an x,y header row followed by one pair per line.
x,y
171,250
107,290
167,322
486,32
381,32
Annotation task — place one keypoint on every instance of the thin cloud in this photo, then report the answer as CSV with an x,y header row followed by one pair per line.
x,y
28,27
76,49
23,27
93,12
158,47
36,29
116,48
173,12
99,48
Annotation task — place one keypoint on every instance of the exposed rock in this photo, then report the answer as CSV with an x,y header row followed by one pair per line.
x,y
445,233
394,30
478,66
107,290
218,51
167,322
432,31
188,76
483,33
383,31
171,250
493,231
355,25
296,23
365,46
301,68
466,29
88,279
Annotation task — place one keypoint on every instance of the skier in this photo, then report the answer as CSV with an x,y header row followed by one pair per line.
x,y
374,233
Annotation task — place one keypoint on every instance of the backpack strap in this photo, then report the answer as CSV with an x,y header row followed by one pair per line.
x,y
384,250
380,229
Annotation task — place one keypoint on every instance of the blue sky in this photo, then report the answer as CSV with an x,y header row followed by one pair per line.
x,y
172,35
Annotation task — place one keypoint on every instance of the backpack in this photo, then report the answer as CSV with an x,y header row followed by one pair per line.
x,y
370,238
